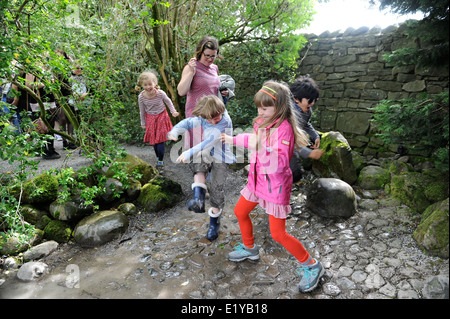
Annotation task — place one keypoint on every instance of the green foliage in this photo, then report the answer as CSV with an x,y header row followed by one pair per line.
x,y
30,33
420,121
18,150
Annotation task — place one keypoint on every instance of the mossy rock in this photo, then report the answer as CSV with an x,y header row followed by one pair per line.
x,y
127,208
12,245
134,164
41,189
409,189
373,177
397,168
160,193
358,161
58,231
437,189
32,214
432,232
337,161
420,190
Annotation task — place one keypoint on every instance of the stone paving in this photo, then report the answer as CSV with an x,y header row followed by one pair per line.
x,y
370,255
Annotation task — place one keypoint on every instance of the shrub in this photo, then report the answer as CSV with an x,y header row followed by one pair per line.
x,y
421,121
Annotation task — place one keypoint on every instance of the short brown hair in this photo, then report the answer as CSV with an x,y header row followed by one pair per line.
x,y
208,107
206,43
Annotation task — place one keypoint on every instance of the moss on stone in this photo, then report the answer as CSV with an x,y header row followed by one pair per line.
x,y
58,231
409,189
432,234
134,164
160,193
41,189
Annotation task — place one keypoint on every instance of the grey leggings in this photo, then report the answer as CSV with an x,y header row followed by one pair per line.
x,y
218,175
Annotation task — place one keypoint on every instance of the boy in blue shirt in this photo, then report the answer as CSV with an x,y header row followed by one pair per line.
x,y
210,155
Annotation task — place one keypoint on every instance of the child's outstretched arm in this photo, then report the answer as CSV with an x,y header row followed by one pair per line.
x,y
247,140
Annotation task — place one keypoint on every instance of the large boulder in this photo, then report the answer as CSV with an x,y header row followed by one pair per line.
x,y
432,232
100,228
40,190
160,193
337,161
331,197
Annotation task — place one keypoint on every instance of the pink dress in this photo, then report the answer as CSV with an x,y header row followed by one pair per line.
x,y
154,116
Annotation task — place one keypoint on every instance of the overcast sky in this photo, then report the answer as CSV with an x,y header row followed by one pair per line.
x,y
342,14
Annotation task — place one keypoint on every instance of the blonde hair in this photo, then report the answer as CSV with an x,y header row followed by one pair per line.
x,y
277,94
209,107
144,76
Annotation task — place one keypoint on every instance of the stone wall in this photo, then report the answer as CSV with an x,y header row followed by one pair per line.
x,y
353,78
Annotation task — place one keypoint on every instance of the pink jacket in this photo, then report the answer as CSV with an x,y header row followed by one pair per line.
x,y
270,176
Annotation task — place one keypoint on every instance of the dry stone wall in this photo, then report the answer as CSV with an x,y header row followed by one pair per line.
x,y
353,77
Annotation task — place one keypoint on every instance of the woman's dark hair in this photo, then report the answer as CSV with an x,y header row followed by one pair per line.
x,y
206,43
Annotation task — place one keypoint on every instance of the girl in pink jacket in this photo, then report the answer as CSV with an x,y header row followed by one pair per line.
x,y
270,178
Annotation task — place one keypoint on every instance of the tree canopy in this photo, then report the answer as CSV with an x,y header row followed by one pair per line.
x,y
432,32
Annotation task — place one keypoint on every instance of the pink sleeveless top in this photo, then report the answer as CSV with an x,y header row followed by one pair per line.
x,y
205,82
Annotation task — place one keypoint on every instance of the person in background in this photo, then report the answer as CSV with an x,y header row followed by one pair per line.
x,y
305,92
200,76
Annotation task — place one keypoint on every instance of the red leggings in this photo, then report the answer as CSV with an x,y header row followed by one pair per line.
x,y
277,230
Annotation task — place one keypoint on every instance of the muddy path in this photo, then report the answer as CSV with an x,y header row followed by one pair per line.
x,y
166,255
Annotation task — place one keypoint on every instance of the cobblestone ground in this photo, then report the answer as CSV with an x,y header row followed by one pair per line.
x,y
166,255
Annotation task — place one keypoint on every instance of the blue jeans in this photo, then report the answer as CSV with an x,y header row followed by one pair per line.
x,y
15,117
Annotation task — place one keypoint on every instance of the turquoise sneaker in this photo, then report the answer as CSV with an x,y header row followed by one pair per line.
x,y
310,276
241,253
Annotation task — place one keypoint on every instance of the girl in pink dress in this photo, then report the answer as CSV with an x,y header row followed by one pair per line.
x,y
154,117
275,136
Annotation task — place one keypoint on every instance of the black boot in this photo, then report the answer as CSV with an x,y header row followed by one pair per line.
x,y
49,151
214,225
198,203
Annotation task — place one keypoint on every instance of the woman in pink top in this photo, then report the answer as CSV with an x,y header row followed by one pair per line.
x,y
154,117
270,179
200,76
